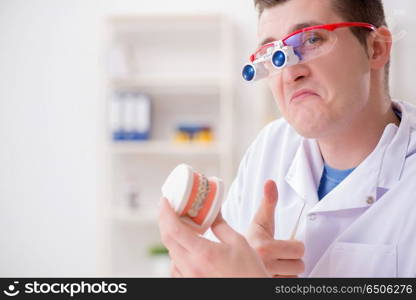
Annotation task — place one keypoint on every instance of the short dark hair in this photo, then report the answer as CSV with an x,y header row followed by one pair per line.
x,y
368,11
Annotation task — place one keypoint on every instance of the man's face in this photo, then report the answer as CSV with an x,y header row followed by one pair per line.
x,y
335,85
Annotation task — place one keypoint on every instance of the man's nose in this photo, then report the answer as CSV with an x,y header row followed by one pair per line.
x,y
295,73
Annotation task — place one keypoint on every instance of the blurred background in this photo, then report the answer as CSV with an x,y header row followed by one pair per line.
x,y
100,99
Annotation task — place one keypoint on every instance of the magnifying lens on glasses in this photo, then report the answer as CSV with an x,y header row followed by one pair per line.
x,y
298,47
279,59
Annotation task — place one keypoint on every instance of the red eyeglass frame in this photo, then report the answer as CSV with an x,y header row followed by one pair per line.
x,y
329,27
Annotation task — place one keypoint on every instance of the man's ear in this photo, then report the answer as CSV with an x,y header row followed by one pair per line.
x,y
379,47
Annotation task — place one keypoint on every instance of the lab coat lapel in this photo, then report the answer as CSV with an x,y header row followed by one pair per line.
x,y
396,152
301,179
305,171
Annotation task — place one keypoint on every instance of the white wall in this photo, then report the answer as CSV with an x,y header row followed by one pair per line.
x,y
51,126
51,122
50,160
402,22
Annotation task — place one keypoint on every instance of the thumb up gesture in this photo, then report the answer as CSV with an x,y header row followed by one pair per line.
x,y
282,258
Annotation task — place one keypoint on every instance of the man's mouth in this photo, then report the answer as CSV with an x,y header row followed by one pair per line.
x,y
302,94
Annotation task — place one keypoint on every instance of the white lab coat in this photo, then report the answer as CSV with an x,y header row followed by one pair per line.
x,y
365,227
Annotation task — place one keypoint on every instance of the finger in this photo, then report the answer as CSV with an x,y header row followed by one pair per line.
x,y
286,266
182,265
223,231
172,228
285,276
168,227
265,214
174,271
177,253
281,249
182,260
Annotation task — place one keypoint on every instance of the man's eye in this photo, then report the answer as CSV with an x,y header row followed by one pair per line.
x,y
313,40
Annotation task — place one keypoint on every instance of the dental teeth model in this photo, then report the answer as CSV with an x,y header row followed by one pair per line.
x,y
194,197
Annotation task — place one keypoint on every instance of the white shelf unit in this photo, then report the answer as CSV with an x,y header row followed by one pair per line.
x,y
168,148
184,64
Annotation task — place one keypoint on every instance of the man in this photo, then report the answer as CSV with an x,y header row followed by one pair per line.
x,y
341,200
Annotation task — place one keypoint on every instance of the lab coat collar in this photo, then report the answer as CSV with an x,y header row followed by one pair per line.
x,y
370,180
396,152
305,171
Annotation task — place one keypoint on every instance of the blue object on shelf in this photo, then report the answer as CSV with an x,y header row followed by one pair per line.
x,y
130,116
119,135
138,136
